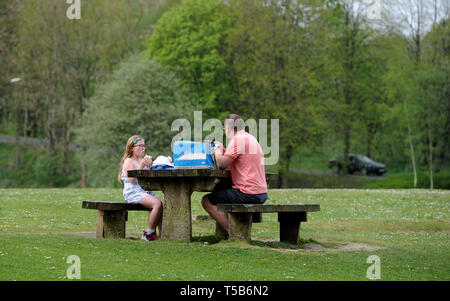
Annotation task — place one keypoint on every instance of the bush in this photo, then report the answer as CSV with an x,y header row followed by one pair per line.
x,y
440,181
142,98
402,181
36,169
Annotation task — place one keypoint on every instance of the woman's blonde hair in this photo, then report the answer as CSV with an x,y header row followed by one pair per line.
x,y
128,152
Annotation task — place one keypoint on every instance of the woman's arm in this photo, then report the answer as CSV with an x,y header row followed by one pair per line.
x,y
129,165
146,162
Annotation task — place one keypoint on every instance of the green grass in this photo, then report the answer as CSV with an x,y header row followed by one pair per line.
x,y
40,228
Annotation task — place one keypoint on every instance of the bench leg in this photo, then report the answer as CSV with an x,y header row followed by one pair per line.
x,y
113,224
290,226
221,233
240,225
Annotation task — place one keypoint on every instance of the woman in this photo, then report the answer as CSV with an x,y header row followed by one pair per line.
x,y
134,158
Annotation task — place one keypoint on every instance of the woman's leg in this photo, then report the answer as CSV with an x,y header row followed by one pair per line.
x,y
155,215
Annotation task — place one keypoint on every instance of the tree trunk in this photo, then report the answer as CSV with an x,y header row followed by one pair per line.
x,y
16,155
83,170
370,135
65,148
281,177
25,123
411,145
430,159
284,167
346,148
348,69
430,147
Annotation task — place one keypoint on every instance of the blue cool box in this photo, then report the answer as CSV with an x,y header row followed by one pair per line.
x,y
192,155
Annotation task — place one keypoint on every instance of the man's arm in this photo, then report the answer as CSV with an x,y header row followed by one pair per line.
x,y
223,161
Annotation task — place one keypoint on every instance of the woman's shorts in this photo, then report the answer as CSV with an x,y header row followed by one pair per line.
x,y
235,196
137,196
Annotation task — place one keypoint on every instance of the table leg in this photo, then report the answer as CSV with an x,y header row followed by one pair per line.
x,y
177,220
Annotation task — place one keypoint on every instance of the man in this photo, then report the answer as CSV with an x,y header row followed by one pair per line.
x,y
245,159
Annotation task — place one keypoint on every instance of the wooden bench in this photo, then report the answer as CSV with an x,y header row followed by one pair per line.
x,y
242,216
112,217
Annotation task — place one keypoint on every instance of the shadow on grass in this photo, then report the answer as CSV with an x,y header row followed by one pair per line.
x,y
283,245
214,239
210,239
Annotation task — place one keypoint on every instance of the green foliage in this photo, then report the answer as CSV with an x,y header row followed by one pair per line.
x,y
333,80
61,62
272,57
440,181
353,77
36,168
141,98
190,40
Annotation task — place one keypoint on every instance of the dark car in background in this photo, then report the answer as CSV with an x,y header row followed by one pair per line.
x,y
358,163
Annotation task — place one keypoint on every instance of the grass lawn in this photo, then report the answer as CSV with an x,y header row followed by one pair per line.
x,y
408,229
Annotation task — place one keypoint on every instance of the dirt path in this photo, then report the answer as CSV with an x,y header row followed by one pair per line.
x,y
347,247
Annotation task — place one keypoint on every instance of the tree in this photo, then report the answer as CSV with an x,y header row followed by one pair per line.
x,y
352,65
399,80
437,54
190,40
141,98
270,50
432,90
430,78
62,60
9,11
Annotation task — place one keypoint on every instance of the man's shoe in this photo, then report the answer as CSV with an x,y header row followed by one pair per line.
x,y
148,237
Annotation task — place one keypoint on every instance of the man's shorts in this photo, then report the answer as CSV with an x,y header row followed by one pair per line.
x,y
235,196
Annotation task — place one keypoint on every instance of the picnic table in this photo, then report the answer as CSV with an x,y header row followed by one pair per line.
x,y
178,186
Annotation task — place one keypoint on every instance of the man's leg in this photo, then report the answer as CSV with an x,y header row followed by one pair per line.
x,y
218,216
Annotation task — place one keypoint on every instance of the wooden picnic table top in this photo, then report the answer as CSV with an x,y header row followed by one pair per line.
x,y
112,205
173,173
148,173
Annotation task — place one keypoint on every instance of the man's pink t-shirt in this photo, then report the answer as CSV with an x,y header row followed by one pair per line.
x,y
247,169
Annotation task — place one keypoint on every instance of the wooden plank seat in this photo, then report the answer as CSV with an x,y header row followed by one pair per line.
x,y
242,216
112,217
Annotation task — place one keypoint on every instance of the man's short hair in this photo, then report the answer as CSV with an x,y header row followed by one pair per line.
x,y
234,122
